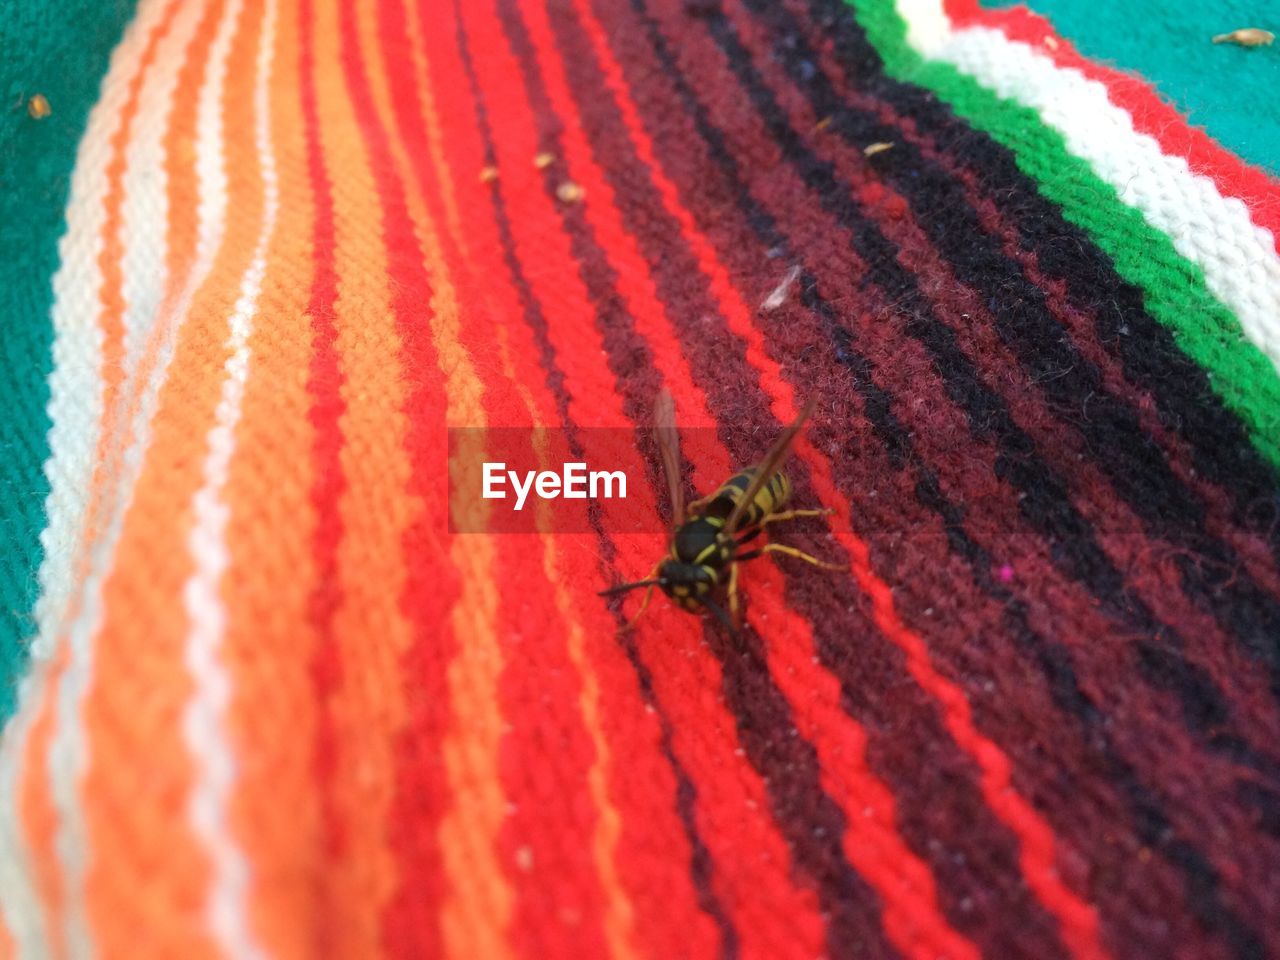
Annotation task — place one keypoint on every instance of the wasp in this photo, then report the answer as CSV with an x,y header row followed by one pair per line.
x,y
707,537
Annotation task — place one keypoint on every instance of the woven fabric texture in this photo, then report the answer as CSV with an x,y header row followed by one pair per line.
x,y
268,706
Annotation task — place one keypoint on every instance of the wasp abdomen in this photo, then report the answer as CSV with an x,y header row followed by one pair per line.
x,y
770,498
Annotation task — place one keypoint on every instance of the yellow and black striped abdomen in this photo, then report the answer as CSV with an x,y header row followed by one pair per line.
x,y
770,498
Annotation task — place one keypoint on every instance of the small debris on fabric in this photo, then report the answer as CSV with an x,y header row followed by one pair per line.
x,y
544,160
1247,37
38,107
779,295
872,149
488,174
569,192
524,858
822,124
1049,42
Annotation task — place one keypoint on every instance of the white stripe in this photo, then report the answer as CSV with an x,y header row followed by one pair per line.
x,y
144,277
144,264
205,715
1238,257
68,755
75,413
928,26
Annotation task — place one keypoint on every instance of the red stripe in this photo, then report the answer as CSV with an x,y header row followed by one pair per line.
x,y
546,752
1151,114
324,384
431,588
652,848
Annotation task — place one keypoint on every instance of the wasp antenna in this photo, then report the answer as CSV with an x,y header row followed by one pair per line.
x,y
624,587
807,410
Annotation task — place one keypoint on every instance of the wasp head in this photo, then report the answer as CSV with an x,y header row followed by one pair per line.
x,y
685,583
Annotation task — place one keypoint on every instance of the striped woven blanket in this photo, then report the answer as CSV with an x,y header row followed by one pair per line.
x,y
274,268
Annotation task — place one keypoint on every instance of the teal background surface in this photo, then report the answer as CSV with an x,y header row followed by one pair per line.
x,y
58,48
1231,92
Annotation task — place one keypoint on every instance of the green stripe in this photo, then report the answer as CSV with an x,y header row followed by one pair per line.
x,y
60,49
1230,90
1173,287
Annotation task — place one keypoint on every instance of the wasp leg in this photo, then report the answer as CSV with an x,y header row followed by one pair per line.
x,y
747,534
790,552
733,595
648,594
793,514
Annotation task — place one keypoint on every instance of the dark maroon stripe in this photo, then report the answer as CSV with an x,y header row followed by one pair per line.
x,y
1150,567
324,386
700,866
1149,355
1252,548
1136,468
1065,687
898,444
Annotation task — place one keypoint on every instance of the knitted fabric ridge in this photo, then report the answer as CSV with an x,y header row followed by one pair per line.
x,y
272,708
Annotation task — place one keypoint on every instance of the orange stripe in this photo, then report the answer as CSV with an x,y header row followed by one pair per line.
x,y
660,885
513,394
477,908
39,818
136,810
271,720
182,226
619,913
8,950
371,630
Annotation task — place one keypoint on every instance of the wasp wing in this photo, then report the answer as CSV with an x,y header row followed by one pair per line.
x,y
768,467
664,432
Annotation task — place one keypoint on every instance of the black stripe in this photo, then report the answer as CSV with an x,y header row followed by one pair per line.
x,y
1202,883
1201,880
700,866
810,819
